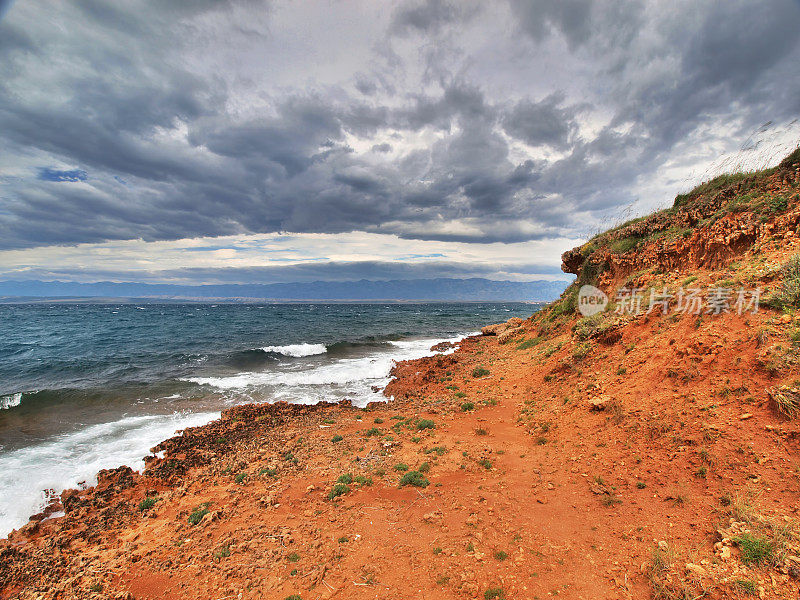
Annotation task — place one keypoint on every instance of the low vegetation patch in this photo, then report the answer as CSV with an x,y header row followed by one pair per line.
x,y
756,548
746,586
787,400
414,478
220,553
148,503
581,351
198,513
340,489
480,372
527,344
787,294
595,326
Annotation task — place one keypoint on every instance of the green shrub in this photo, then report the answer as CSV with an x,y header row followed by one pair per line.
x,y
340,489
467,406
480,372
424,467
148,503
347,478
414,478
363,480
425,424
494,594
373,431
240,478
337,438
401,467
220,553
293,557
778,203
501,555
198,513
581,351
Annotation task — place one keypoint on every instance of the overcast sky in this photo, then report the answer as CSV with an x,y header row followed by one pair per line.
x,y
284,141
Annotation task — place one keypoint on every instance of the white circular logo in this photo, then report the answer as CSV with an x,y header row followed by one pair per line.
x,y
591,300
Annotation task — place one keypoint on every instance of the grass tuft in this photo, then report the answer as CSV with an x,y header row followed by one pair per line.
x,y
756,549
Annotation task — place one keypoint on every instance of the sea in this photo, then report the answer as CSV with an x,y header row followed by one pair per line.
x,y
85,387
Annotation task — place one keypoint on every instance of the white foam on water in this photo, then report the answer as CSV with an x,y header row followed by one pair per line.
x,y
358,379
64,462
10,401
297,350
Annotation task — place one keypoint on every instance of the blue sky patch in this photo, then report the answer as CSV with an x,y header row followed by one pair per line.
x,y
50,174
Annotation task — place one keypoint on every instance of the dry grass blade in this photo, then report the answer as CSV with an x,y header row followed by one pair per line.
x,y
787,399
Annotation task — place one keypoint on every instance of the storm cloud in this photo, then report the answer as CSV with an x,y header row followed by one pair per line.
x,y
435,120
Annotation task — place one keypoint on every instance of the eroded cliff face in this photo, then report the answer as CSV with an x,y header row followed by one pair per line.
x,y
727,218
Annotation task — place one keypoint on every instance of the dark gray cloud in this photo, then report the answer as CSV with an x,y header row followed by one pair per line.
x,y
433,120
542,123
429,16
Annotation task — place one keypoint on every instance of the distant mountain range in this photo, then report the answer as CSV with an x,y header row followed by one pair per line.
x,y
442,289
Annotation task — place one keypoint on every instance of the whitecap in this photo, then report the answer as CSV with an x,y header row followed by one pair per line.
x,y
63,462
297,350
10,401
359,379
